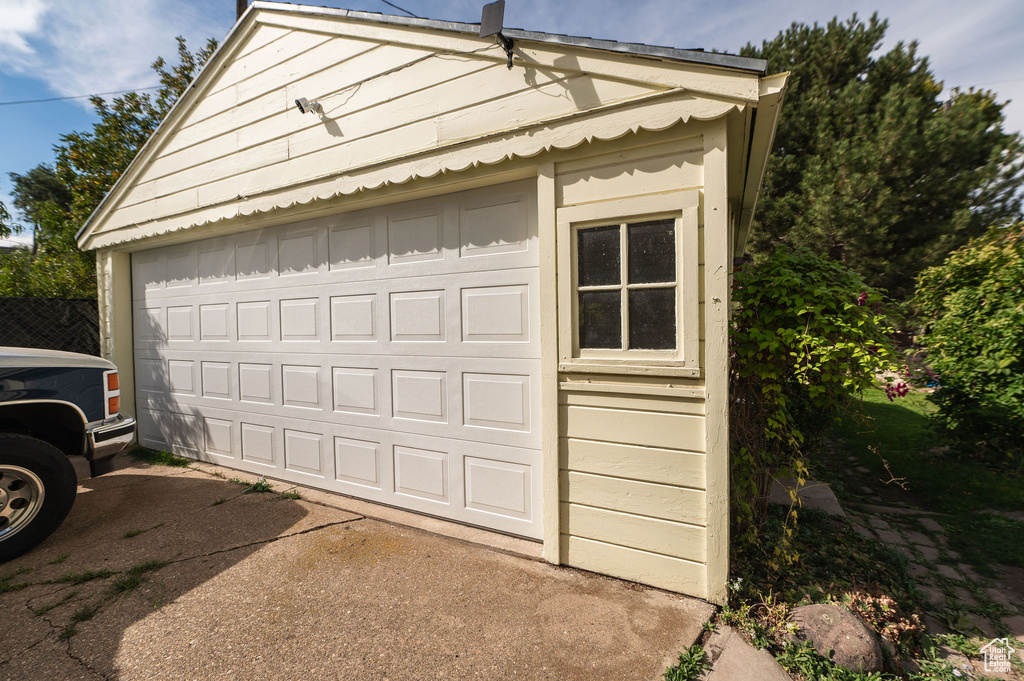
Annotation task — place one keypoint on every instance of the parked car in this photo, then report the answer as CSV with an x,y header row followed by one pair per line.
x,y
52,405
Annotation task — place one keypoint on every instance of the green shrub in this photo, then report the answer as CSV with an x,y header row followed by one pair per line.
x,y
808,333
973,309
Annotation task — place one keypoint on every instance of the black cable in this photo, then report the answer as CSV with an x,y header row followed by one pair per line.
x,y
400,9
98,94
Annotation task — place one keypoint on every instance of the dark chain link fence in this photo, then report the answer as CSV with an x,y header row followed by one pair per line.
x,y
50,323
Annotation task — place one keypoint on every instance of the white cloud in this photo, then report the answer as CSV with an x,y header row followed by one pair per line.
x,y
18,19
80,47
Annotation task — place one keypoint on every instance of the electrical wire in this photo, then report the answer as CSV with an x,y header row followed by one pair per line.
x,y
400,9
98,94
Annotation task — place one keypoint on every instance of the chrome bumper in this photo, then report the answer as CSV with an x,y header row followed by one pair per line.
x,y
110,438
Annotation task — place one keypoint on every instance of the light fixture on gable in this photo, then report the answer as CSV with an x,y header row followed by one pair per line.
x,y
305,106
492,22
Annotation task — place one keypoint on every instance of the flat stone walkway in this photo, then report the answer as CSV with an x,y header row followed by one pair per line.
x,y
163,573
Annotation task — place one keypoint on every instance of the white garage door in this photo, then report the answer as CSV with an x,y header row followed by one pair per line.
x,y
390,354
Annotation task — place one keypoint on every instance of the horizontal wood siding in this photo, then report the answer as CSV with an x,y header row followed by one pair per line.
x,y
638,532
381,102
631,482
666,572
626,426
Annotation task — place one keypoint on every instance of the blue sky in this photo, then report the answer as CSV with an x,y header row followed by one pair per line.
x,y
57,48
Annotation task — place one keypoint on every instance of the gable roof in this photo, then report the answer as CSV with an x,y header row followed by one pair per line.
x,y
234,144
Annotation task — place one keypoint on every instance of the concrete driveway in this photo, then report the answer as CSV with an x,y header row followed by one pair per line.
x,y
173,573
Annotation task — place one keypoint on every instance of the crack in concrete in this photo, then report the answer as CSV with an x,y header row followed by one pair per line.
x,y
266,541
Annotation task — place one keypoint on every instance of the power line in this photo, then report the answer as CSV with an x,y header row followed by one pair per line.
x,y
400,9
98,94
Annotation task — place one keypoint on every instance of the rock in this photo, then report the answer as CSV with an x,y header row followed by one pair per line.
x,y
733,659
838,633
813,494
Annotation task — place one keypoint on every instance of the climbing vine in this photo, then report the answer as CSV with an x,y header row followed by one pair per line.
x,y
808,333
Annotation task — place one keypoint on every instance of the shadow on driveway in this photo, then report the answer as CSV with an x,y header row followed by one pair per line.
x,y
258,586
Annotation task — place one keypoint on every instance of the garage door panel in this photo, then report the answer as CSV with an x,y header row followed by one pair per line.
x,y
390,354
485,400
440,316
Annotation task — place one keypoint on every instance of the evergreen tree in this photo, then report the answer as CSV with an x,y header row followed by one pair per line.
x,y
870,166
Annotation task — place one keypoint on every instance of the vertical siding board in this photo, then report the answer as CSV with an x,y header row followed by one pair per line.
x,y
549,363
717,263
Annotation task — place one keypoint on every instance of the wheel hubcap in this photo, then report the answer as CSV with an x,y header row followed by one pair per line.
x,y
21,497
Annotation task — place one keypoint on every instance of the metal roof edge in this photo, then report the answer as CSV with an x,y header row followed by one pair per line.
x,y
719,59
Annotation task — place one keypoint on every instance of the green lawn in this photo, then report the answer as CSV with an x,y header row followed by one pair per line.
x,y
935,481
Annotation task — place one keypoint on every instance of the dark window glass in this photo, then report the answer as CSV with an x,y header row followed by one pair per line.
x,y
598,252
652,319
600,319
652,252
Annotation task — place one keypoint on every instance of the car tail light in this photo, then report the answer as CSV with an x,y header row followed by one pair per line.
x,y
112,393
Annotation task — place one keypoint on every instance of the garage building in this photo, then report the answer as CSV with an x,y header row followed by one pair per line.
x,y
495,296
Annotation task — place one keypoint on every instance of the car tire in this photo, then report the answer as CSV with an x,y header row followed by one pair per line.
x,y
37,489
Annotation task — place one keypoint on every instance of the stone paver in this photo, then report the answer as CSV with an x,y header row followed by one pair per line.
x,y
733,659
863,469
929,552
999,596
935,596
863,531
947,571
987,630
968,572
1016,626
919,571
919,538
931,524
966,597
877,522
890,537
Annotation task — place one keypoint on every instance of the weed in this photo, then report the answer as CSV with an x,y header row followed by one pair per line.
x,y
960,644
156,458
83,576
220,501
147,566
692,663
807,663
6,584
291,494
47,608
124,583
256,487
60,559
83,614
132,533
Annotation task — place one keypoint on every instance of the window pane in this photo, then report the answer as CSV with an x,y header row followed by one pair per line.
x,y
600,319
652,318
652,252
598,253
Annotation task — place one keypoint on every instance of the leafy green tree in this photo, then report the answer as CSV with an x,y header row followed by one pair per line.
x,y
88,163
973,308
5,217
35,191
869,165
807,335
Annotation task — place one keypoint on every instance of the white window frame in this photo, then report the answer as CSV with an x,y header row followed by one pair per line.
x,y
684,360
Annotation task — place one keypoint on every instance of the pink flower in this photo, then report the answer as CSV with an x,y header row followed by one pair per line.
x,y
862,298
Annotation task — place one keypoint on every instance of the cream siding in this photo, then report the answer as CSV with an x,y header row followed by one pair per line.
x,y
633,448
